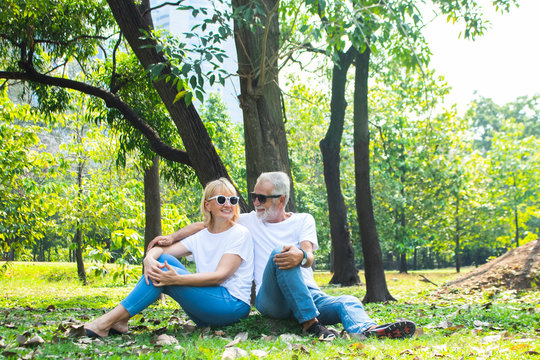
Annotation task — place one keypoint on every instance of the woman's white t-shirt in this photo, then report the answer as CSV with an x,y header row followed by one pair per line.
x,y
208,248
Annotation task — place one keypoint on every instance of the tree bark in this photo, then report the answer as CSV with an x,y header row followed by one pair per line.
x,y
376,288
77,239
152,203
344,267
457,251
260,96
403,263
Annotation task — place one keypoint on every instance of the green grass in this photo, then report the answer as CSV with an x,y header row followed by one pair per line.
x,y
46,299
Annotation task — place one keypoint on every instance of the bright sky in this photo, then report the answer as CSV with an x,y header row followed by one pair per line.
x,y
502,65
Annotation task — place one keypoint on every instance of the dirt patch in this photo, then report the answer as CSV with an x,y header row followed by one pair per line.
x,y
518,269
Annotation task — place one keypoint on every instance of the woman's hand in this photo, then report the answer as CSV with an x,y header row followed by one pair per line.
x,y
148,263
161,277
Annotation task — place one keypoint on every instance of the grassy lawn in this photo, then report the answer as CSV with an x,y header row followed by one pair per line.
x,y
46,300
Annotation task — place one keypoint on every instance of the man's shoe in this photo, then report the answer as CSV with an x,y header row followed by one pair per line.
x,y
396,330
321,332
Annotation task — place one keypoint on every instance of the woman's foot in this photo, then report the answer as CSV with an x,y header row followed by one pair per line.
x,y
94,330
119,328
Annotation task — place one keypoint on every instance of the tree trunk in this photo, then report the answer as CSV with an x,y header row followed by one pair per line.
x,y
457,251
415,259
260,97
201,152
516,220
77,239
78,254
344,268
376,288
403,263
152,203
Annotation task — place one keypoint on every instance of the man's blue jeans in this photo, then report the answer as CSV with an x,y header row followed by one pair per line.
x,y
206,306
283,294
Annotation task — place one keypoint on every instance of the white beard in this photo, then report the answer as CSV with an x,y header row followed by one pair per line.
x,y
267,214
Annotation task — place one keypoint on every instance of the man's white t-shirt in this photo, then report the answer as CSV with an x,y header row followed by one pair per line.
x,y
208,248
268,236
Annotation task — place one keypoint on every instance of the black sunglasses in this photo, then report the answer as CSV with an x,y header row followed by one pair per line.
x,y
221,199
262,198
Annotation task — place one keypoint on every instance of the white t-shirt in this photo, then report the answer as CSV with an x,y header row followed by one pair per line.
x,y
208,248
268,236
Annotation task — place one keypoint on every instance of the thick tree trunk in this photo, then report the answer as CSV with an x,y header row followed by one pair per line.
x,y
152,203
199,147
344,268
260,98
376,288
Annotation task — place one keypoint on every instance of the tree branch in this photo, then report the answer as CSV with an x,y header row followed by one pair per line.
x,y
111,101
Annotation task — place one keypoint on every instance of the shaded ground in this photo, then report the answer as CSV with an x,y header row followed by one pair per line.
x,y
518,269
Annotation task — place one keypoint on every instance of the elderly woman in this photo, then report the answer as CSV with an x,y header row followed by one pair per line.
x,y
218,293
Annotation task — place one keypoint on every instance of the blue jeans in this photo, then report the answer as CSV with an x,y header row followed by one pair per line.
x,y
206,306
283,294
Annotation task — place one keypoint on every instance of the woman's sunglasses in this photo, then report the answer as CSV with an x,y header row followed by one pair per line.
x,y
262,198
221,199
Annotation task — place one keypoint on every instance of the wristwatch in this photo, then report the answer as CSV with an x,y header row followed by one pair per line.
x,y
304,260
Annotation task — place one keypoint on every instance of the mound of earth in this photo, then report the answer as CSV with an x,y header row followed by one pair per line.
x,y
518,269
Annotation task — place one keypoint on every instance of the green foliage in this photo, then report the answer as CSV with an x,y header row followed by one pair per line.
x,y
28,198
197,57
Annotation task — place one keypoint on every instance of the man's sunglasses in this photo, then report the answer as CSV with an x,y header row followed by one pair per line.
x,y
221,199
262,198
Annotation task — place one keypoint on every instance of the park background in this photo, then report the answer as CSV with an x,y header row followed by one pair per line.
x,y
86,103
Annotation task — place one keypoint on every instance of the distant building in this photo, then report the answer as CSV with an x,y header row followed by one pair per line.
x,y
179,22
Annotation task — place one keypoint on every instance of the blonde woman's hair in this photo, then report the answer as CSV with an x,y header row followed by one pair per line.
x,y
220,186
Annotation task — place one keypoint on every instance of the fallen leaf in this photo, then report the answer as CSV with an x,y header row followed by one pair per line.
x,y
21,339
76,331
233,353
259,353
34,341
165,339
288,338
491,338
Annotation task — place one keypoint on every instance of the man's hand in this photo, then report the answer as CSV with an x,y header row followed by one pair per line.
x,y
161,240
290,257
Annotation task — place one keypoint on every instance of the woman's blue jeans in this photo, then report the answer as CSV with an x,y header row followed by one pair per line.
x,y
283,294
206,306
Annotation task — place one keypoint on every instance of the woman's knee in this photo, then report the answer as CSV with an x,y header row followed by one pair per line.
x,y
167,257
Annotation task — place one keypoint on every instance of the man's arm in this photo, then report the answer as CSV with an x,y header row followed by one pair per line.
x,y
167,240
291,256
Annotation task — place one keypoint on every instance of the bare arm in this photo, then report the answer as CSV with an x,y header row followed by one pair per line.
x,y
167,240
227,266
292,256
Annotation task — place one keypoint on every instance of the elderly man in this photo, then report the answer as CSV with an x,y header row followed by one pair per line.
x,y
284,243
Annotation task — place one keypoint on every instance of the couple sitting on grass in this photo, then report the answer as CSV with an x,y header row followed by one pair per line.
x,y
271,245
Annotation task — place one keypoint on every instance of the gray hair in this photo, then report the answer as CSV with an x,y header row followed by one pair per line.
x,y
281,182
